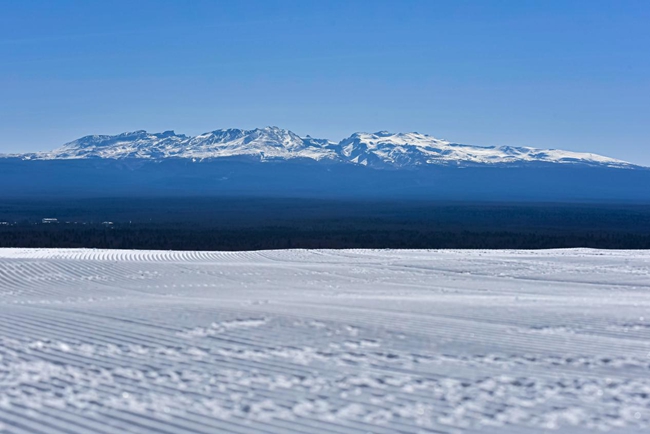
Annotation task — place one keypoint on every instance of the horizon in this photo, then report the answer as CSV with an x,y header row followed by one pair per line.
x,y
334,142
548,76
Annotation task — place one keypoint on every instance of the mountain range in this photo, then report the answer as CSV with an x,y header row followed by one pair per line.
x,y
378,150
274,162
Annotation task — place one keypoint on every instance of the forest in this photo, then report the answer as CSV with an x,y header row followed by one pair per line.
x,y
217,223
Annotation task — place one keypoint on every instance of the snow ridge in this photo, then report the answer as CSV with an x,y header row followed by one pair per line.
x,y
379,150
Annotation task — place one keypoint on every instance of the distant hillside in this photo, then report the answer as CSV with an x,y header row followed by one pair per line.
x,y
278,163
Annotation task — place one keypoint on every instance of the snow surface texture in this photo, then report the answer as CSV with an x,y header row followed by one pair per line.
x,y
379,150
301,341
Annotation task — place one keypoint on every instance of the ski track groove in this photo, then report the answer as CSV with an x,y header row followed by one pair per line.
x,y
324,341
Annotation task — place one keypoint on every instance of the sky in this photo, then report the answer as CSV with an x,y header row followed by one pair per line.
x,y
550,74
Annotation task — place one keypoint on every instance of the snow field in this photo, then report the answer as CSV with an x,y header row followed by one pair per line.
x,y
351,341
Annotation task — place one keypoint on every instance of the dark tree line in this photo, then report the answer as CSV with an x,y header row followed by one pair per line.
x,y
180,237
207,223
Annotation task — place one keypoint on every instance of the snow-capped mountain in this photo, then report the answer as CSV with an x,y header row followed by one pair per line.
x,y
414,149
378,150
272,162
265,143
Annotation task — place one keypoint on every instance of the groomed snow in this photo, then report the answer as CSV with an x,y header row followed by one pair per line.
x,y
299,341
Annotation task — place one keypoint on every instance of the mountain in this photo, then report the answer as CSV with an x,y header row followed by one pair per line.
x,y
414,149
272,162
264,143
378,150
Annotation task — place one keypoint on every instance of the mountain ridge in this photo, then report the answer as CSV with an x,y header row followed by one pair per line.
x,y
380,150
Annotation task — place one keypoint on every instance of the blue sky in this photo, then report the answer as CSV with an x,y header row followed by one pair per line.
x,y
559,74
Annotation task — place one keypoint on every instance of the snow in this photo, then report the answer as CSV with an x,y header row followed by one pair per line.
x,y
349,341
264,143
379,150
414,149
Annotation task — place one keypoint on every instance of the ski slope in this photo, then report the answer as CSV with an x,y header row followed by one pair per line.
x,y
295,341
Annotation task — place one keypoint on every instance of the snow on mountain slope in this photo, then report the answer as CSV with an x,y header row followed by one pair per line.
x,y
265,143
137,144
379,150
414,149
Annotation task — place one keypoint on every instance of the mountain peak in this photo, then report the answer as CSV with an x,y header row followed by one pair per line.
x,y
382,149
